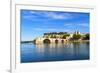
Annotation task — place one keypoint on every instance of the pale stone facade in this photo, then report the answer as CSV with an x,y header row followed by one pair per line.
x,y
52,40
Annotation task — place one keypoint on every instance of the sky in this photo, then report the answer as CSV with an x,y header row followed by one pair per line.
x,y
35,23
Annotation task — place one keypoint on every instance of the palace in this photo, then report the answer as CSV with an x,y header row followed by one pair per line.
x,y
55,37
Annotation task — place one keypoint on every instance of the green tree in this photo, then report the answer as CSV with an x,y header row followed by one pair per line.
x,y
76,36
65,35
86,37
53,36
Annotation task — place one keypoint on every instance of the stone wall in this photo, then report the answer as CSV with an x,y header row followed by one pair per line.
x,y
52,40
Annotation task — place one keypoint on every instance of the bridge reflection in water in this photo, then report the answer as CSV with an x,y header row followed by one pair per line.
x,y
54,52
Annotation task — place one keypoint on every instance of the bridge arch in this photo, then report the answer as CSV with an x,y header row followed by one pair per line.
x,y
56,41
62,41
46,41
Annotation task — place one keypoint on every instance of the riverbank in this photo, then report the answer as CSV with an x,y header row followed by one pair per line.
x,y
60,42
79,41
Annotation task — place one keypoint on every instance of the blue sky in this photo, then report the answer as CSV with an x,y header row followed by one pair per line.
x,y
35,23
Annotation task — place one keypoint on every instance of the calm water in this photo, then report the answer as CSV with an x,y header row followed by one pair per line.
x,y
54,52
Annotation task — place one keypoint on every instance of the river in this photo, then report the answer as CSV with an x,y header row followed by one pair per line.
x,y
54,52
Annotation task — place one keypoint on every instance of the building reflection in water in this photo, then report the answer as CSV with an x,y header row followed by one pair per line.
x,y
62,48
56,49
55,52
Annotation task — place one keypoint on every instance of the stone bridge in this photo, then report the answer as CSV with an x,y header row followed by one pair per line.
x,y
50,40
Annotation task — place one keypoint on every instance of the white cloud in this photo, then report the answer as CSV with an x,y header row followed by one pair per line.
x,y
28,16
84,24
55,15
52,15
32,12
68,24
77,24
46,29
52,29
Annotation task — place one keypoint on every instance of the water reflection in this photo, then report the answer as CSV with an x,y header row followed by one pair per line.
x,y
54,52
